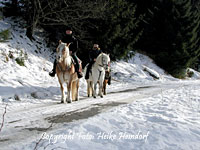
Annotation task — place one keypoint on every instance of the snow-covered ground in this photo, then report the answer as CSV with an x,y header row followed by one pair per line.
x,y
145,108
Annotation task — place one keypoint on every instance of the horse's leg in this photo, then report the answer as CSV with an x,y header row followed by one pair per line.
x,y
100,89
104,87
91,88
75,86
77,92
101,84
63,94
73,90
62,91
69,85
88,88
95,90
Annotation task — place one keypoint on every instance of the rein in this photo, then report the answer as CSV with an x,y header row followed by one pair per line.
x,y
101,65
99,74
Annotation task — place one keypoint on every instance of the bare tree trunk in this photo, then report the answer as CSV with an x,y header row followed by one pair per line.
x,y
15,7
29,32
32,19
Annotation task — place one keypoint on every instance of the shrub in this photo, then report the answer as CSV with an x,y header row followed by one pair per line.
x,y
4,35
190,73
20,61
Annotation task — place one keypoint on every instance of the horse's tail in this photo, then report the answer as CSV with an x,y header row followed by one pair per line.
x,y
104,86
75,86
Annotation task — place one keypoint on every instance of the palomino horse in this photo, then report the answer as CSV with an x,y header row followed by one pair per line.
x,y
97,75
66,73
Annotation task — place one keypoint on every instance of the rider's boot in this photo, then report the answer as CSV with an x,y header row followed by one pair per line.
x,y
87,74
53,72
77,66
80,74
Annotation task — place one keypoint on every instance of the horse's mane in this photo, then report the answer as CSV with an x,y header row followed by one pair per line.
x,y
66,57
100,55
62,46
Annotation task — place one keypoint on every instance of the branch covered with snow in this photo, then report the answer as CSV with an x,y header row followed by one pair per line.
x,y
3,118
36,145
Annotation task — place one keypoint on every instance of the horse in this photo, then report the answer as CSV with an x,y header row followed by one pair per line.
x,y
105,82
65,71
97,75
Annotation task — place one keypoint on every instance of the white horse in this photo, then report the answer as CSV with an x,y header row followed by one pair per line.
x,y
97,75
66,73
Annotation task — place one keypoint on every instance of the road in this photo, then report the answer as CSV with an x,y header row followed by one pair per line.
x,y
28,123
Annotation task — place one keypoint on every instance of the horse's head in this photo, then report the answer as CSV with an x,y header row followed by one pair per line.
x,y
104,61
62,51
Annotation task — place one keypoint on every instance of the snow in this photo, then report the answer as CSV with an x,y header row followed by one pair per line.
x,y
195,74
140,111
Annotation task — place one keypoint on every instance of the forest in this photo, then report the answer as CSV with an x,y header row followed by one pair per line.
x,y
166,30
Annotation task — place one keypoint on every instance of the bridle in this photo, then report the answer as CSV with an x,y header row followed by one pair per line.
x,y
103,65
63,58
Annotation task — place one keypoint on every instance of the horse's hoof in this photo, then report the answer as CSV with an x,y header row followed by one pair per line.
x,y
88,95
94,96
69,101
62,102
101,96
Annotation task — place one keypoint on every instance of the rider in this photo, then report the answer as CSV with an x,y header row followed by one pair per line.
x,y
93,54
69,38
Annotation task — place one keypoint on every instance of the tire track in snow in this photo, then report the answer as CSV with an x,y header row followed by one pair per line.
x,y
23,130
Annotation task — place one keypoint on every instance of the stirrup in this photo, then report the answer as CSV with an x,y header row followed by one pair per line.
x,y
87,76
52,74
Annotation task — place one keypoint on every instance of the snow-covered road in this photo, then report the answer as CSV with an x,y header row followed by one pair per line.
x,y
24,124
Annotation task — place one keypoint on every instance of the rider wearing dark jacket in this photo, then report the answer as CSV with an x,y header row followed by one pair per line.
x,y
93,54
69,38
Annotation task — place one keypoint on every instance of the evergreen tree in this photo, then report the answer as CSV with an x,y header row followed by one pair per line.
x,y
172,35
11,8
119,30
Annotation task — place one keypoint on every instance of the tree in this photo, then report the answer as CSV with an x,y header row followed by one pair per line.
x,y
53,14
171,35
11,8
119,30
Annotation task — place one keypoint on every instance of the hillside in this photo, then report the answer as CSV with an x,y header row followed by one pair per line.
x,y
145,108
33,78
